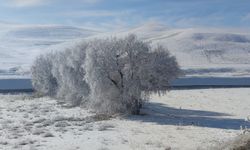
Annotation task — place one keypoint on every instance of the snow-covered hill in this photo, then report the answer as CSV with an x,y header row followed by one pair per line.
x,y
20,44
199,51
203,50
201,47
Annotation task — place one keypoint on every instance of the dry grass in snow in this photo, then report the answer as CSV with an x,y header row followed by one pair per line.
x,y
182,119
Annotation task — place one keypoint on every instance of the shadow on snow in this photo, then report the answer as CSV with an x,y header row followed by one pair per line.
x,y
164,115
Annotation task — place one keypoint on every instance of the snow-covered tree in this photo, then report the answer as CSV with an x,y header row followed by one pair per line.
x,y
120,72
42,79
69,73
109,75
60,74
158,70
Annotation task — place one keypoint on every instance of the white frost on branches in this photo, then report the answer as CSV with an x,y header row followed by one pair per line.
x,y
109,75
120,71
42,79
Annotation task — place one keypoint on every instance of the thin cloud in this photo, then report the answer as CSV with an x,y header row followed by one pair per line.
x,y
26,3
97,13
33,3
90,1
188,21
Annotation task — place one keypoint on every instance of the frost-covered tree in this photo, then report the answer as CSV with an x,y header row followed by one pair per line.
x,y
109,75
102,76
42,79
69,73
121,72
158,70
60,74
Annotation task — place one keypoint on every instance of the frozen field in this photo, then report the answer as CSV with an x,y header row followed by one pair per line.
x,y
182,119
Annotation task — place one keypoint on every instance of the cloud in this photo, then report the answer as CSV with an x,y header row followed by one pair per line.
x,y
190,21
101,19
33,3
25,3
90,1
97,13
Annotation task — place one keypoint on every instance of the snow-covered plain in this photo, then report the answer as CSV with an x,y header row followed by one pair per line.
x,y
182,119
199,51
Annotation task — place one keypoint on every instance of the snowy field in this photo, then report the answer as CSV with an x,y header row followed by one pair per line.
x,y
182,119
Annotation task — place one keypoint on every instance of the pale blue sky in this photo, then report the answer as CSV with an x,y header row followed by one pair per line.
x,y
117,14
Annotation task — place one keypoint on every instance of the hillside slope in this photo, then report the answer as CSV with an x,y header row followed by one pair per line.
x,y
202,50
199,51
20,44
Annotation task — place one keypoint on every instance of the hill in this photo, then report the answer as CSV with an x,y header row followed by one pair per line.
x,y
199,51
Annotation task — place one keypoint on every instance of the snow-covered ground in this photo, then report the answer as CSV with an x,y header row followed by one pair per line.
x,y
182,119
199,51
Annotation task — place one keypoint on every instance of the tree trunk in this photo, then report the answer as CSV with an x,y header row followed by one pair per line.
x,y
135,110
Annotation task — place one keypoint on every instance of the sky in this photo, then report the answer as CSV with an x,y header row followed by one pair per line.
x,y
119,14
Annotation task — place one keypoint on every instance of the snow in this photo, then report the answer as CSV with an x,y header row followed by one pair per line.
x,y
181,119
213,49
20,44
203,48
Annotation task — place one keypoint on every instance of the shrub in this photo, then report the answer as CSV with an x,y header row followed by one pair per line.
x,y
109,75
42,79
60,74
68,71
122,72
